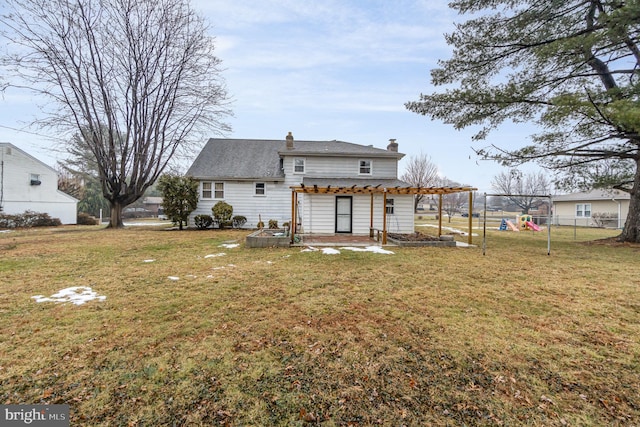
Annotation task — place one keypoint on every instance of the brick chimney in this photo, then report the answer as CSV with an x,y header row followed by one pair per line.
x,y
289,141
393,146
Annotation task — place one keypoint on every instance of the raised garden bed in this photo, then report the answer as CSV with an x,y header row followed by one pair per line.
x,y
418,239
278,238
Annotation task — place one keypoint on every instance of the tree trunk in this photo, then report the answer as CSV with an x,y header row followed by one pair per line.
x,y
115,221
631,230
416,201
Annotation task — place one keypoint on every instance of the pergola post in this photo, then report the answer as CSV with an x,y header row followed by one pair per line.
x,y
292,226
439,215
384,217
371,218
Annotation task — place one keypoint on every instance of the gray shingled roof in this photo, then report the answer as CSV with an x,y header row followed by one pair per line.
x,y
260,159
338,148
238,159
592,195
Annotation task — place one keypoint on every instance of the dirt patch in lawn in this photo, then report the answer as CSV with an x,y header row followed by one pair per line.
x,y
413,237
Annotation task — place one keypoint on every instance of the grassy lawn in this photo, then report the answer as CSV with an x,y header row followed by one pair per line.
x,y
427,336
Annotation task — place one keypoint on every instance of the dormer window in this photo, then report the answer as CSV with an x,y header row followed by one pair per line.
x,y
298,165
364,167
35,179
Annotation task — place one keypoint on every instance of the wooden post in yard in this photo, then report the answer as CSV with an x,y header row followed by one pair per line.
x,y
470,239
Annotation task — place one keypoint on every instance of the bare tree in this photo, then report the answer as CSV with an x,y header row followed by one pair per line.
x,y
134,77
522,189
420,172
452,203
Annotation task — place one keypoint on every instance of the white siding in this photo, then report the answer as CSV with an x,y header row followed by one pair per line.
x,y
564,212
320,214
19,195
275,204
340,167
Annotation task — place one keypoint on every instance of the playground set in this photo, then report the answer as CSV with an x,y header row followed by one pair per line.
x,y
525,222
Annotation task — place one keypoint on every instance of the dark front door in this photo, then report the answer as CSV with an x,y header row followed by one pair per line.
x,y
343,214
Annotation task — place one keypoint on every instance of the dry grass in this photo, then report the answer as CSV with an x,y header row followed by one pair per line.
x,y
429,336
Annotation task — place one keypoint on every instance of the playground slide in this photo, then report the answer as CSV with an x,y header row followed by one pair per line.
x,y
512,226
533,226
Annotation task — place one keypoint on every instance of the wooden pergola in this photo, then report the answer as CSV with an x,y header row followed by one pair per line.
x,y
379,189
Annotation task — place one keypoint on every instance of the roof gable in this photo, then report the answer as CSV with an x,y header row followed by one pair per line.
x,y
6,145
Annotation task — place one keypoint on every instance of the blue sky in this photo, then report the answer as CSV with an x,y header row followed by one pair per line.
x,y
324,70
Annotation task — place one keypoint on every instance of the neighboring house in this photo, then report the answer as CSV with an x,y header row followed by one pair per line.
x,y
153,204
27,184
257,178
594,208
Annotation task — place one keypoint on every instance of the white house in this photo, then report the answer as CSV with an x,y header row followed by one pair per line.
x,y
593,208
258,177
27,184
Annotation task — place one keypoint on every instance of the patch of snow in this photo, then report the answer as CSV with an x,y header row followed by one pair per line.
x,y
464,245
229,245
149,260
223,267
215,255
77,295
142,224
6,231
174,278
330,251
375,249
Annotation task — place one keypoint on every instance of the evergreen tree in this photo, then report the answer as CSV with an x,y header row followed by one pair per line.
x,y
571,66
179,197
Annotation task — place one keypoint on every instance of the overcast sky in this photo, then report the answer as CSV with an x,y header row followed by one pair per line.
x,y
325,70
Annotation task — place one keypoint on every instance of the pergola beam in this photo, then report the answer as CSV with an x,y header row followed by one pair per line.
x,y
353,189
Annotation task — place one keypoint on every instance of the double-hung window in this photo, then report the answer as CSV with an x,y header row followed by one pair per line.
x,y
213,190
260,189
206,190
364,167
218,192
298,165
583,210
